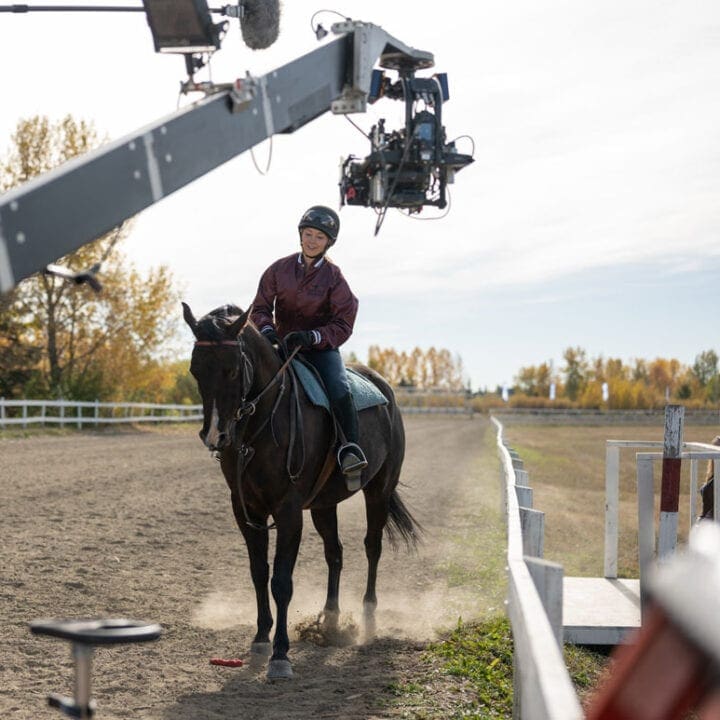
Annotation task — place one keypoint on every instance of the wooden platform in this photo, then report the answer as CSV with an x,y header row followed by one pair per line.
x,y
599,611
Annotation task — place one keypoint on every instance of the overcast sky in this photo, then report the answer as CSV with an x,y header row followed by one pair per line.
x,y
590,216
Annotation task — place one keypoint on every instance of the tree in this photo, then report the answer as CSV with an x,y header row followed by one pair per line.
x,y
432,369
17,359
705,366
575,371
86,345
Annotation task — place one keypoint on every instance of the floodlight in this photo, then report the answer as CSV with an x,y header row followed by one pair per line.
x,y
182,26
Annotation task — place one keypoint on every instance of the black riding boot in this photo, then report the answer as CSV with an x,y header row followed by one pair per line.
x,y
350,456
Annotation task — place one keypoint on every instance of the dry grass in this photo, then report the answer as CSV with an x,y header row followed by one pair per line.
x,y
566,465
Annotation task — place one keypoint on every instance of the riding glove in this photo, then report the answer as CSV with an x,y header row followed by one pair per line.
x,y
299,338
272,336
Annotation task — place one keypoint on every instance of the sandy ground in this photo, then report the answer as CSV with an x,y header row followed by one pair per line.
x,y
138,524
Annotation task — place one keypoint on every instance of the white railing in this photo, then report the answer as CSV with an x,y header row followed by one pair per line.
x,y
692,451
542,686
439,410
75,413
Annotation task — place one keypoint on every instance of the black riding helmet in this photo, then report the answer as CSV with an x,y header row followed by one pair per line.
x,y
321,218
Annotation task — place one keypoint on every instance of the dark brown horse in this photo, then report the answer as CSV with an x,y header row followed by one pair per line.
x,y
276,450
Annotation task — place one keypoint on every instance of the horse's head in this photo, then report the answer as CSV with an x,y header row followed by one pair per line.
x,y
221,368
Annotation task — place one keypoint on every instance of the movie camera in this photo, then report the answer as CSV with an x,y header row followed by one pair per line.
x,y
411,167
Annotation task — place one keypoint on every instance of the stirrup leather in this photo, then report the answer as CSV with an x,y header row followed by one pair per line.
x,y
351,458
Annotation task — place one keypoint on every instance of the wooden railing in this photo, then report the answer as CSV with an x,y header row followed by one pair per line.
x,y
75,413
542,689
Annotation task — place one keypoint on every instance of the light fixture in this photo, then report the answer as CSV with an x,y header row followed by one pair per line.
x,y
183,26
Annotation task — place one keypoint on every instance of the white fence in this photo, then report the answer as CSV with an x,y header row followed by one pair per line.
x,y
430,410
542,686
73,413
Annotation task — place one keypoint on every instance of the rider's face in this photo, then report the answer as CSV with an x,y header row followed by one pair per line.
x,y
313,242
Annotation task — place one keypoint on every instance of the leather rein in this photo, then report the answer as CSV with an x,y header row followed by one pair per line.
x,y
247,408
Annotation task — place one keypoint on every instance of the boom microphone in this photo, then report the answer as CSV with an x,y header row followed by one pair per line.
x,y
260,23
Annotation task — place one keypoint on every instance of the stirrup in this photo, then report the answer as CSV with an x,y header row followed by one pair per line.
x,y
351,458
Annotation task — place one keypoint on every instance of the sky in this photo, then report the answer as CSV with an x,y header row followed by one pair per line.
x,y
589,218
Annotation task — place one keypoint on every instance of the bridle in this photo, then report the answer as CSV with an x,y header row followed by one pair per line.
x,y
248,407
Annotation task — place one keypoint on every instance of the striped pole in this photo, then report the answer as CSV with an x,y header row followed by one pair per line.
x,y
670,487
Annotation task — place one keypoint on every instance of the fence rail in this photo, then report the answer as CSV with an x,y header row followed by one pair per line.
x,y
542,686
75,413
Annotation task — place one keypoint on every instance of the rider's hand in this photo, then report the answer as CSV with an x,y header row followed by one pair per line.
x,y
272,336
299,339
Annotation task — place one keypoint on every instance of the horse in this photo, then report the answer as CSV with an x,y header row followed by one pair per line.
x,y
276,451
707,491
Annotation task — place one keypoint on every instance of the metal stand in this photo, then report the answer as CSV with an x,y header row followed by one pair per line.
x,y
84,635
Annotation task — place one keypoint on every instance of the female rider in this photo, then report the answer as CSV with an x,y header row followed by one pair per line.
x,y
304,300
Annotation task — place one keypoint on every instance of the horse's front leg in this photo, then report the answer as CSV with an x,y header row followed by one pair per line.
x,y
325,521
289,532
257,546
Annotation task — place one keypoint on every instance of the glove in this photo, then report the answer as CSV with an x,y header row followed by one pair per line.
x,y
272,336
299,338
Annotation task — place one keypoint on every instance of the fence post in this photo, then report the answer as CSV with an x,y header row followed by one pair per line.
x,y
97,412
693,490
24,415
532,523
646,524
524,496
79,415
548,579
612,497
62,412
2,412
670,489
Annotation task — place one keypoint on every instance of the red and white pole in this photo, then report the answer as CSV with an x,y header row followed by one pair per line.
x,y
670,487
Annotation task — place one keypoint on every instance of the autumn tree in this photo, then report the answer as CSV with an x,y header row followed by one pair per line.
x,y
79,344
535,380
430,369
575,371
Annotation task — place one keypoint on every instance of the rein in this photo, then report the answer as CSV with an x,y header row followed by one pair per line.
x,y
247,408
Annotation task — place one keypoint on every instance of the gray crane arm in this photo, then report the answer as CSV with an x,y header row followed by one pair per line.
x,y
59,211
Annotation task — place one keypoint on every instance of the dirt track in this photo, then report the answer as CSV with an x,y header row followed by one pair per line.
x,y
138,524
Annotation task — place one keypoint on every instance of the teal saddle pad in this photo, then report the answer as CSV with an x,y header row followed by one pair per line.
x,y
365,394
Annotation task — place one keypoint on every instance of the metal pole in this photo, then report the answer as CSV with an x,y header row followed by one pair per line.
x,y
24,9
83,663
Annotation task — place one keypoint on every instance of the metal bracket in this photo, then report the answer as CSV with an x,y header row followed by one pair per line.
x,y
370,42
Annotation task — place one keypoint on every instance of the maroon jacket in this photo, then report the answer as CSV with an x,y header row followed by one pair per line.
x,y
316,299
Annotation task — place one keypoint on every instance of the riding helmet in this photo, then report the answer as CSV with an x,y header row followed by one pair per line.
x,y
321,218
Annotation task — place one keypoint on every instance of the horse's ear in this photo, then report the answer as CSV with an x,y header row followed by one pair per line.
x,y
234,329
190,318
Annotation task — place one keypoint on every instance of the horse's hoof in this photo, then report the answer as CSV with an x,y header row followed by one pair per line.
x,y
279,670
261,648
259,652
370,625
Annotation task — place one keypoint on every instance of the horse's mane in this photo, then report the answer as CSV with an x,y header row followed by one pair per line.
x,y
213,326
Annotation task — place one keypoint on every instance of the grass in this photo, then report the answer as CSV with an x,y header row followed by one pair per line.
x,y
469,675
466,675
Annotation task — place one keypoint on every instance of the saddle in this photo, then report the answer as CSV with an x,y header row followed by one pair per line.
x,y
364,393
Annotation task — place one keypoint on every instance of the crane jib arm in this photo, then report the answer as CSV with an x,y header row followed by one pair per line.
x,y
59,211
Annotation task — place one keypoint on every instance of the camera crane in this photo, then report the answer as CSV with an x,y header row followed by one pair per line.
x,y
61,210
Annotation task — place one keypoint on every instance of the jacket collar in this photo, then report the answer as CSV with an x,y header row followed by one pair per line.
x,y
316,264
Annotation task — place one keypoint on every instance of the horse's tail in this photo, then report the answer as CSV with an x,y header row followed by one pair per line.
x,y
401,524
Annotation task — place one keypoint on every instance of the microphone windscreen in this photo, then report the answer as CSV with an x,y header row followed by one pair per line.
x,y
260,23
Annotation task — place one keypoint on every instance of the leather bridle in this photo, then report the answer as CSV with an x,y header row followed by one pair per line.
x,y
247,408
